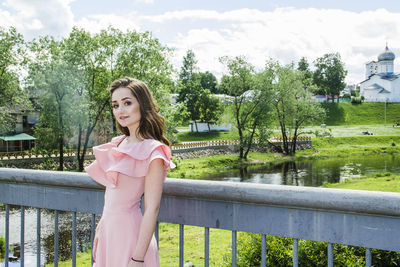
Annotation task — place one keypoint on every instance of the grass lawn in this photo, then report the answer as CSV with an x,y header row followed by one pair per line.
x,y
83,259
355,130
387,182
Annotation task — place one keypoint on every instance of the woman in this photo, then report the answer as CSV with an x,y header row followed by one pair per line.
x,y
130,165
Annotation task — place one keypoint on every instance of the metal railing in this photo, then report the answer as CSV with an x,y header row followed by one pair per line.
x,y
350,217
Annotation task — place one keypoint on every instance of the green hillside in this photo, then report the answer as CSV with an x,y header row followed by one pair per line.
x,y
361,114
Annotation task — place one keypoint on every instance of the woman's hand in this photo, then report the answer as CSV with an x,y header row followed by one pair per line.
x,y
135,264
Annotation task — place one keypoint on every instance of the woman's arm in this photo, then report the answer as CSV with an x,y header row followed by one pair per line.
x,y
152,196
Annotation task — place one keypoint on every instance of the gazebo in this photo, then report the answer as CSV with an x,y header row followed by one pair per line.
x,y
16,142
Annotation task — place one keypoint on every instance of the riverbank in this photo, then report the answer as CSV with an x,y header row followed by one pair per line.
x,y
323,147
381,181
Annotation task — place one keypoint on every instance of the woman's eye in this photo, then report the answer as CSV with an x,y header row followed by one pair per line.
x,y
128,103
115,106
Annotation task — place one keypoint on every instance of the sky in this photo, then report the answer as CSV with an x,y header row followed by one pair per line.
x,y
284,30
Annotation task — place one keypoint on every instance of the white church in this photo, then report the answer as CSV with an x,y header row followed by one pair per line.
x,y
381,84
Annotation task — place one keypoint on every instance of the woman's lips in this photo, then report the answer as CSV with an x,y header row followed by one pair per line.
x,y
124,117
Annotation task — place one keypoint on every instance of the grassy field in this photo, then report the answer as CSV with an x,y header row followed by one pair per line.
x,y
387,182
361,114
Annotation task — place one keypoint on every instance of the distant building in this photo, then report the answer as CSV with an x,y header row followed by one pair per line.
x,y
381,83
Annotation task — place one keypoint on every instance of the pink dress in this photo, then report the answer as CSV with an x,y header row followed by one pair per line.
x,y
122,171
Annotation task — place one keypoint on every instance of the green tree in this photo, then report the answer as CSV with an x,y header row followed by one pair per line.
x,y
294,106
189,67
210,107
198,101
88,54
12,60
208,81
251,104
330,74
106,56
52,79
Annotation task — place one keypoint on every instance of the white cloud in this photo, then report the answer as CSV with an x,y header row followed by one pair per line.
x,y
39,17
95,23
287,34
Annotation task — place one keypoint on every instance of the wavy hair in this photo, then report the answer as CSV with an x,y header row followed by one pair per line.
x,y
151,124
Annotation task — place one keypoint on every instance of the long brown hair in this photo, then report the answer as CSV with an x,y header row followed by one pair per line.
x,y
151,124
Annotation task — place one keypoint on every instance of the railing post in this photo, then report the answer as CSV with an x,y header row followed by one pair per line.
x,y
56,238
263,250
368,257
330,255
22,236
181,244
234,260
38,236
295,252
6,256
92,233
206,246
74,239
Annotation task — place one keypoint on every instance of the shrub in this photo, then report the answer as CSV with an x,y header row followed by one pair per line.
x,y
357,100
2,246
311,253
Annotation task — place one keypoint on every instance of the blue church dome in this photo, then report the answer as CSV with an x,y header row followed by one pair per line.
x,y
386,55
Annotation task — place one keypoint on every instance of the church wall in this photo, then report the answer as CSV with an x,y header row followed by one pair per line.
x,y
374,96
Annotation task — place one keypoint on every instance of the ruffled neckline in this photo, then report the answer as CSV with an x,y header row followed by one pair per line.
x,y
140,150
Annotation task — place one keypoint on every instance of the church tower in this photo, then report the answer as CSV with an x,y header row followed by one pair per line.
x,y
385,62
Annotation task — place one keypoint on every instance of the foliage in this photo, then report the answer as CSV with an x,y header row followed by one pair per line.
x,y
52,80
356,100
106,56
330,74
12,59
293,104
198,103
311,253
251,104
189,67
2,246
208,81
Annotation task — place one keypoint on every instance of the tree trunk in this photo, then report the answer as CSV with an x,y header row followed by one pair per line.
x,y
195,124
78,152
208,124
61,141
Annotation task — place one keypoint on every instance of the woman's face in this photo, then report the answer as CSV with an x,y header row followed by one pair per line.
x,y
126,108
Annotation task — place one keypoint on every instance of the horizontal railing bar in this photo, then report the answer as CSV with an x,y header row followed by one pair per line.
x,y
366,202
225,205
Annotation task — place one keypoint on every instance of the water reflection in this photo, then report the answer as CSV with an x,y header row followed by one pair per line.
x,y
314,172
47,234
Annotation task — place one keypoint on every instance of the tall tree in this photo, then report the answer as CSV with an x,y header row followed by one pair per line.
x,y
251,100
294,106
194,95
208,81
330,74
189,67
103,57
53,81
12,60
89,55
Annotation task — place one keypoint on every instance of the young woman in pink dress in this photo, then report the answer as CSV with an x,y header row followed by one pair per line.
x,y
129,166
